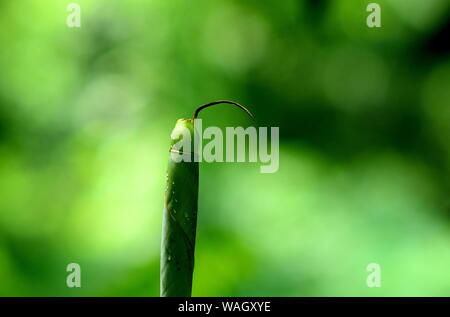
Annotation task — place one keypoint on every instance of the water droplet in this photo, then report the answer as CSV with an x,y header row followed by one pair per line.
x,y
169,258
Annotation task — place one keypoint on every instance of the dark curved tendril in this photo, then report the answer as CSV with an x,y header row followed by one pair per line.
x,y
219,102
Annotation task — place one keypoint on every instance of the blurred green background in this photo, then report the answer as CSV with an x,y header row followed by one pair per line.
x,y
364,117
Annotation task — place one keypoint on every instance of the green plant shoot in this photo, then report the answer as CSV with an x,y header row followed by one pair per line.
x,y
180,212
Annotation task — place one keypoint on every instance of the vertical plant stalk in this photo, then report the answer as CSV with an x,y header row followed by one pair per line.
x,y
180,216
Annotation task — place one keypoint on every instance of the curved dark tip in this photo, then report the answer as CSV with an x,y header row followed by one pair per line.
x,y
219,102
